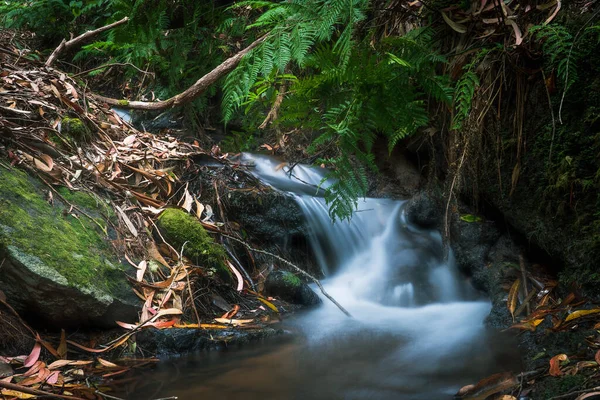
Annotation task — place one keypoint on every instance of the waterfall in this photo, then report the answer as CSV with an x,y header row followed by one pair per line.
x,y
417,330
377,255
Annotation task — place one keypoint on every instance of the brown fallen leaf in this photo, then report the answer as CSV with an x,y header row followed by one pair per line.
x,y
555,364
107,364
62,347
513,296
491,385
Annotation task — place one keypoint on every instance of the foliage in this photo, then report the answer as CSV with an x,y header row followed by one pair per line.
x,y
350,91
559,45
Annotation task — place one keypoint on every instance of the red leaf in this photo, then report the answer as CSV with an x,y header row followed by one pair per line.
x,y
555,364
34,356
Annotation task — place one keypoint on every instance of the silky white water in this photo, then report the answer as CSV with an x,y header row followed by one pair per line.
x,y
417,331
395,281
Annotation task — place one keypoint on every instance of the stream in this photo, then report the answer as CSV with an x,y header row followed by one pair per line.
x,y
417,330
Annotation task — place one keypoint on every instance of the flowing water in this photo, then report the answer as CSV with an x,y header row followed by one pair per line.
x,y
417,330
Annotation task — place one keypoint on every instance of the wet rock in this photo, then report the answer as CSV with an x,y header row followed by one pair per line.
x,y
423,211
54,268
276,221
288,287
5,370
181,341
471,243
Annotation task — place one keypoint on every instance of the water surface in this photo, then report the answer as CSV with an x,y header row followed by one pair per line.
x,y
417,330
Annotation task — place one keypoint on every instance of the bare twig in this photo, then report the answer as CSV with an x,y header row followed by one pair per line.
x,y
552,115
570,394
23,389
300,270
524,280
66,45
113,65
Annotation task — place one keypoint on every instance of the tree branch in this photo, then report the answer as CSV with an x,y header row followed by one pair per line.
x,y
190,93
66,45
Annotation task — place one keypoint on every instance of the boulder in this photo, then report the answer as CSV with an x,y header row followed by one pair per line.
x,y
57,267
183,230
422,210
471,240
287,286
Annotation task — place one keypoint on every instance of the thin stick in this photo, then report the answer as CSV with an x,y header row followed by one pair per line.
x,y
283,260
23,389
112,65
524,280
552,115
567,395
65,45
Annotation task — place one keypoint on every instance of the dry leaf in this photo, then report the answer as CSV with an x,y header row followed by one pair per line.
x,y
62,347
237,274
454,25
141,270
555,364
127,221
581,313
513,296
34,356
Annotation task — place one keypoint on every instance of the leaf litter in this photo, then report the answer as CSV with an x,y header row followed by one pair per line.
x,y
41,111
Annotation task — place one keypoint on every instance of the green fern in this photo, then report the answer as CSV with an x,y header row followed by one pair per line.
x,y
463,98
374,92
558,44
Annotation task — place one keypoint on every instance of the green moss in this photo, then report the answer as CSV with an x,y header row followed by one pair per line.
x,y
54,243
179,227
123,102
74,127
291,279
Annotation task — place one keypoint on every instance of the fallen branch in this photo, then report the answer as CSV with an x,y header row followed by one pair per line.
x,y
41,393
66,45
300,270
190,93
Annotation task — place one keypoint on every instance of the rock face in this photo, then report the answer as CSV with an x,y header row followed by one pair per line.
x,y
423,211
471,242
289,287
55,268
276,220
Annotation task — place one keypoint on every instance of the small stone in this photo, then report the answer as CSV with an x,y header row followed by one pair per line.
x,y
288,287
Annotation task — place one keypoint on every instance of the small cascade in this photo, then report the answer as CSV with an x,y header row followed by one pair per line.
x,y
377,255
417,330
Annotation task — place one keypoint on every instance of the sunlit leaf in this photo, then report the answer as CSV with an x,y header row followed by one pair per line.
x,y
581,313
513,297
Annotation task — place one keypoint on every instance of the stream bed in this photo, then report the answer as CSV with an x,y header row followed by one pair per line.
x,y
417,330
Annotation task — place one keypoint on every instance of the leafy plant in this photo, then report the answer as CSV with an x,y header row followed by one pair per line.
x,y
559,45
349,91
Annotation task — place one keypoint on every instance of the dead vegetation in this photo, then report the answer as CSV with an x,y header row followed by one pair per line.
x,y
52,128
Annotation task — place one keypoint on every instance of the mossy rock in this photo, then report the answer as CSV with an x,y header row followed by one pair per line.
x,y
57,268
74,128
179,228
289,287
